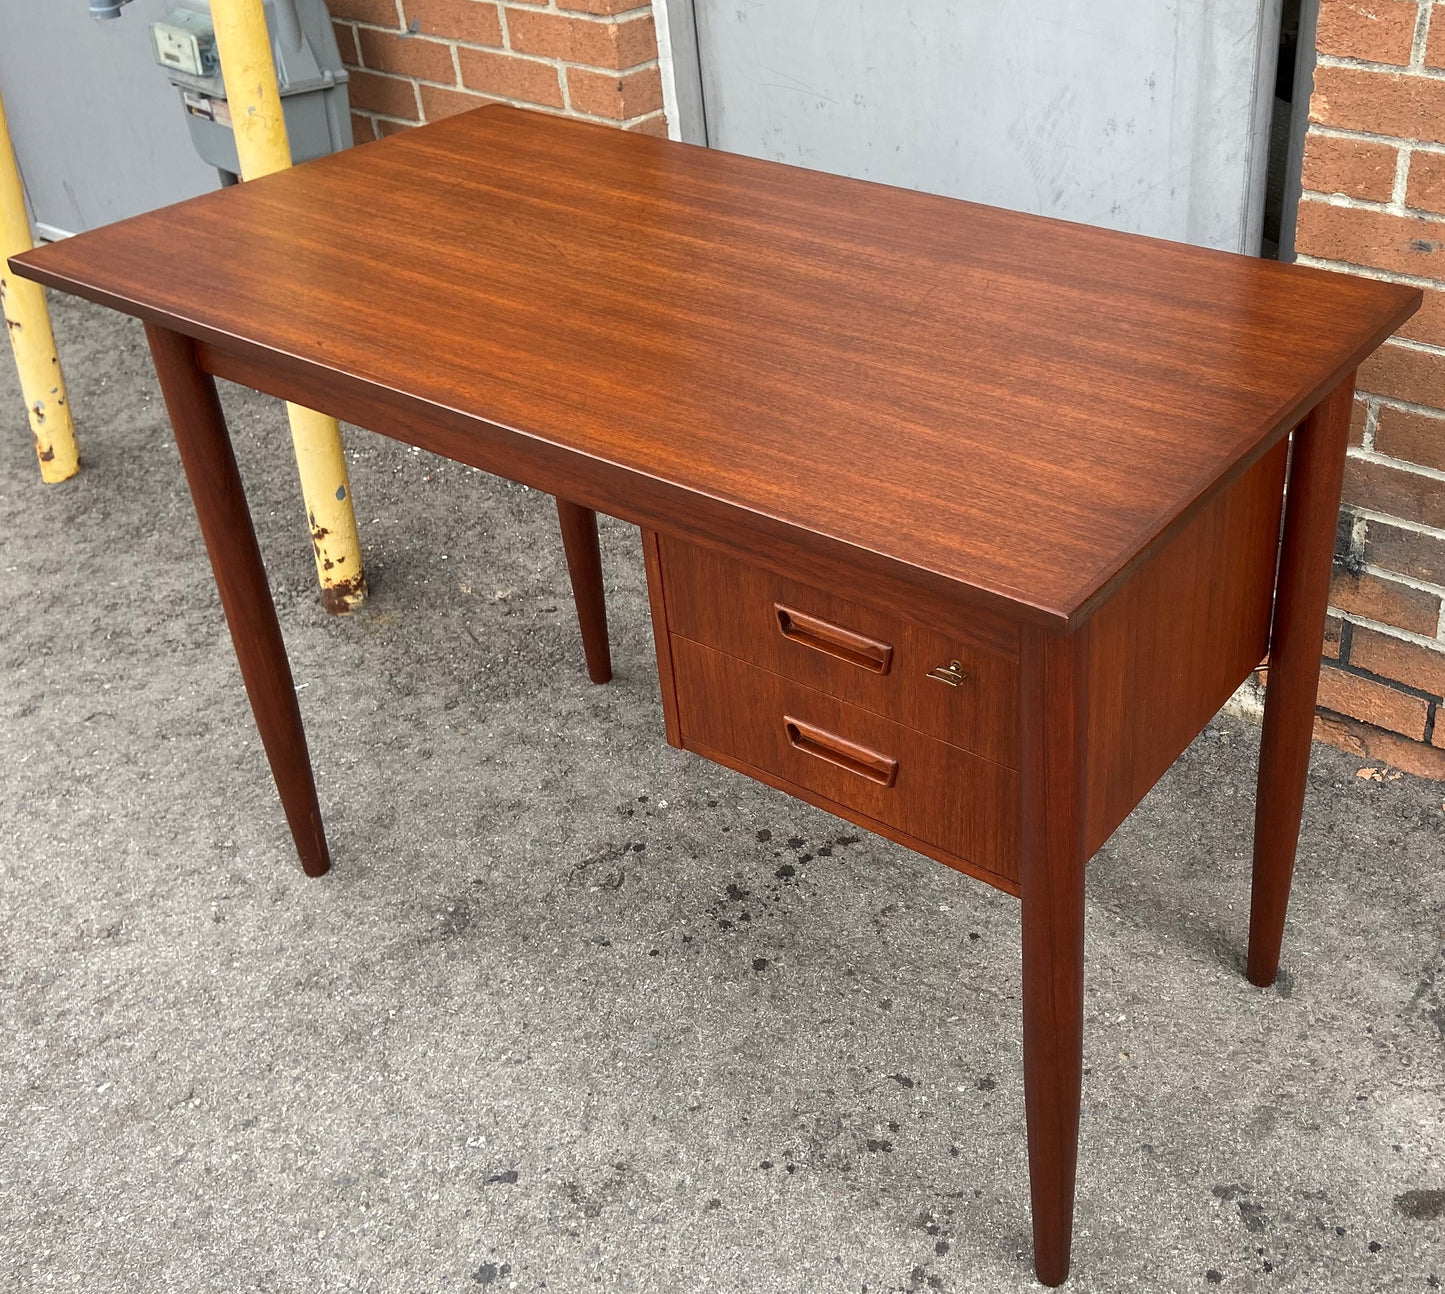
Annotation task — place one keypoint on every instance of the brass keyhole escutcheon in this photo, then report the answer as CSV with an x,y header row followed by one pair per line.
x,y
952,674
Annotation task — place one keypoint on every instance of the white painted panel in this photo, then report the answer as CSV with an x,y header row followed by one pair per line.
x,y
99,131
677,63
1142,115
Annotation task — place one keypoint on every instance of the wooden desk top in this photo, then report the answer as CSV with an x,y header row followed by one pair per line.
x,y
1020,406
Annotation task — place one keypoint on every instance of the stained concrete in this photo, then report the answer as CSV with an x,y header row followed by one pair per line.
x,y
575,1011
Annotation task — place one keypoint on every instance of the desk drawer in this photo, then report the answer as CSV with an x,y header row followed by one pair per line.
x,y
883,662
941,799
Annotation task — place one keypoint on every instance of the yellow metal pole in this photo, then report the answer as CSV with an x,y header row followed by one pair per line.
x,y
28,322
244,48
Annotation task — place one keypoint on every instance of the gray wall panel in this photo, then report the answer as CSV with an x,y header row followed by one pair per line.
x,y
1145,115
98,129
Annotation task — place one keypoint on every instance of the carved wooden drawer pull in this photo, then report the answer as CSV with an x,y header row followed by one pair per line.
x,y
828,746
820,635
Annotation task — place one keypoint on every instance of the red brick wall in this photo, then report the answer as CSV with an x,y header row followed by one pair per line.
x,y
1374,203
420,60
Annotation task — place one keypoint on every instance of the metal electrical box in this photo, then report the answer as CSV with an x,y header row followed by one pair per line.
x,y
309,73
185,41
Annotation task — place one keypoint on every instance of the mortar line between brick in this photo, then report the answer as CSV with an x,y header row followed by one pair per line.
x,y
1400,523
1404,406
1370,272
595,19
561,65
481,97
1409,581
1391,208
1376,725
1408,689
1402,178
355,41
1319,198
456,42
1411,343
1390,69
1392,631
551,109
1421,36
1371,137
1372,423
1358,527
618,71
1399,464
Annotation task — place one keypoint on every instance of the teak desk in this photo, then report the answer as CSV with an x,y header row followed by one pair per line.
x,y
959,523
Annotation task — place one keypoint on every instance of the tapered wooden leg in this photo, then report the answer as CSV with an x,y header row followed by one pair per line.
x,y
584,565
210,467
1302,594
1051,883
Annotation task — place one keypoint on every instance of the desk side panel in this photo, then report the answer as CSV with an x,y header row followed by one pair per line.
x,y
1173,644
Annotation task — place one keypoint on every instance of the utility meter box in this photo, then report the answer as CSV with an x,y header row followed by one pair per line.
x,y
309,74
184,41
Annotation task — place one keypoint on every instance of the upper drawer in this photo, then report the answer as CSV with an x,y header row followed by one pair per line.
x,y
883,662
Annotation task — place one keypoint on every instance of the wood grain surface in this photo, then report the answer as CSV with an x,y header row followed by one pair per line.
x,y
1002,407
584,568
738,609
1054,782
1312,507
225,521
1175,642
952,804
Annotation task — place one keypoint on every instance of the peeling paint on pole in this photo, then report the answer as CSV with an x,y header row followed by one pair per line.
x,y
327,492
27,321
244,47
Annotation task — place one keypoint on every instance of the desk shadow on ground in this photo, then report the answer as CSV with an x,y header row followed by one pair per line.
x,y
1328,1085
503,1046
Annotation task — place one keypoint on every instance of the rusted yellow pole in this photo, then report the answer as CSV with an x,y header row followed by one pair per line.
x,y
28,322
244,48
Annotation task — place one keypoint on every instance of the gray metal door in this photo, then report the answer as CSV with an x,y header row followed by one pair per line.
x,y
1144,115
99,132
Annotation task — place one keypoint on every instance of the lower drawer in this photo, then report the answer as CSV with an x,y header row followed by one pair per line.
x,y
931,796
